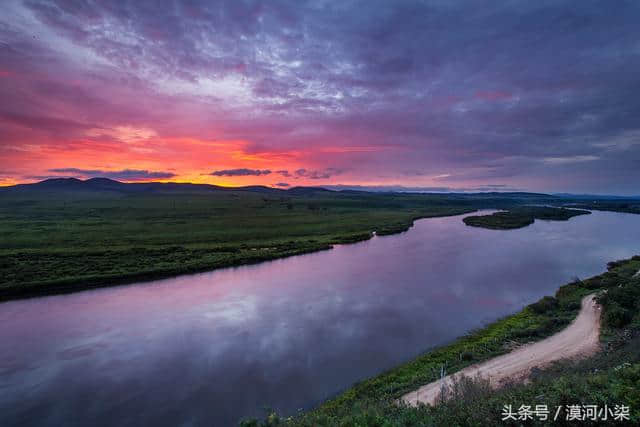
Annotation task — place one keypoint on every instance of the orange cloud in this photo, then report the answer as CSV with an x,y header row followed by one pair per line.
x,y
141,149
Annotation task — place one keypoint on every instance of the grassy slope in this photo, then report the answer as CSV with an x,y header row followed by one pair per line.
x,y
74,240
371,402
521,217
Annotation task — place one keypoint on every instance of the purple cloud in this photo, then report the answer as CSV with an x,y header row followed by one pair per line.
x,y
125,174
317,174
241,172
374,88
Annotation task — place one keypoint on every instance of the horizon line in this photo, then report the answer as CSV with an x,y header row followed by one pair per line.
x,y
383,188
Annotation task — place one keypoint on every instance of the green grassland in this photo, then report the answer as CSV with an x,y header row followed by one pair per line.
x,y
519,217
611,377
69,240
65,235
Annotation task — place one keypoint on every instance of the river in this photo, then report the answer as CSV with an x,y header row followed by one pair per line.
x,y
206,349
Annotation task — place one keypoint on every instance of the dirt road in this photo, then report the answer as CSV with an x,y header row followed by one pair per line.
x,y
580,338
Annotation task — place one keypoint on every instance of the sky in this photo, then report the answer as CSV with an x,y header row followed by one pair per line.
x,y
422,95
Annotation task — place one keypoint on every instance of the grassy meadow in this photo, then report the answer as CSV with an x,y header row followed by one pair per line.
x,y
66,241
64,235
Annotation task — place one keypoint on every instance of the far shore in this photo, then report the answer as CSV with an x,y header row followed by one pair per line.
x,y
88,283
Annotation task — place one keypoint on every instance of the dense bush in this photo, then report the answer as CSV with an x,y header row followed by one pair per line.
x,y
569,305
467,355
617,317
625,296
621,303
545,304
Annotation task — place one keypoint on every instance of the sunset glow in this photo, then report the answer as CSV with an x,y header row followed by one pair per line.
x,y
288,94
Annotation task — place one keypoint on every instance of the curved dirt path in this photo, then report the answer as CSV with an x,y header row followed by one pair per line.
x,y
580,338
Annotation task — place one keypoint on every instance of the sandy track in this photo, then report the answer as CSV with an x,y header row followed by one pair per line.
x,y
580,338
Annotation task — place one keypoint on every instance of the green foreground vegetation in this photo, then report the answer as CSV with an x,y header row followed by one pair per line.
x,y
612,377
521,217
69,240
64,234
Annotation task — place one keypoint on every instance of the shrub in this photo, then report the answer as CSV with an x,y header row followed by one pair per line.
x,y
617,316
467,355
625,296
545,304
566,290
613,264
570,305
466,389
610,279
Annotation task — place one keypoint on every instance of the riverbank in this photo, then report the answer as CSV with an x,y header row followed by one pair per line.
x,y
181,259
61,241
68,235
580,339
372,402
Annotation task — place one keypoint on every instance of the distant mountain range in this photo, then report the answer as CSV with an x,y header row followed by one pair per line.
x,y
110,185
93,185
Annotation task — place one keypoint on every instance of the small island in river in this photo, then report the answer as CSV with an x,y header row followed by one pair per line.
x,y
521,217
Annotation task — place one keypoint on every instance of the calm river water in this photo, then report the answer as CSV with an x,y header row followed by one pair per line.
x,y
206,349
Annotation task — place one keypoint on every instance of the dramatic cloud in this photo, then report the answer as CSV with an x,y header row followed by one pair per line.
x,y
241,172
125,174
317,174
282,184
537,95
310,174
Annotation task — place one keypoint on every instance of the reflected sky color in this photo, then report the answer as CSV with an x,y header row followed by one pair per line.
x,y
438,95
208,348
